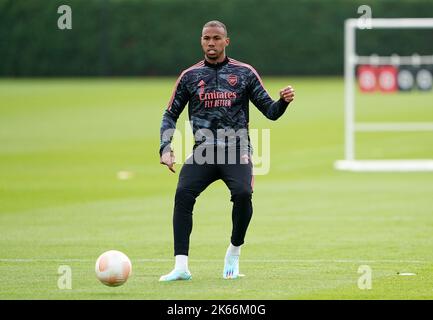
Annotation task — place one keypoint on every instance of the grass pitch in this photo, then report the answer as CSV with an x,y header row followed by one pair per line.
x,y
63,142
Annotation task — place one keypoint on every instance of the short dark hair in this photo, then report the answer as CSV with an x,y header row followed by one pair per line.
x,y
215,23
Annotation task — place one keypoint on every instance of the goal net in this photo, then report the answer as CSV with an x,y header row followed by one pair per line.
x,y
387,73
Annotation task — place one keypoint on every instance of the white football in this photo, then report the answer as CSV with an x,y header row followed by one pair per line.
x,y
113,268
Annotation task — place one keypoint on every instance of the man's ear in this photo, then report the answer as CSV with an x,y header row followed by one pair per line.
x,y
227,41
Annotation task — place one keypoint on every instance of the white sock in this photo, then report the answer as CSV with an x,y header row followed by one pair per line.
x,y
181,263
233,250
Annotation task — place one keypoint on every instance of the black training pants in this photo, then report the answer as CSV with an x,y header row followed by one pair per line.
x,y
194,178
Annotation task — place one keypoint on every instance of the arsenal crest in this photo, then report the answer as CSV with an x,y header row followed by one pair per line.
x,y
232,79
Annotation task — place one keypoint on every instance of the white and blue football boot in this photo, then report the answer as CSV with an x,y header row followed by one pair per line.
x,y
176,275
231,267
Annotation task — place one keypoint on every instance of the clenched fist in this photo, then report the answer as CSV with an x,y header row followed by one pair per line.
x,y
287,94
169,160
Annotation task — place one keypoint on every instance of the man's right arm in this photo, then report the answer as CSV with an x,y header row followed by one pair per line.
x,y
175,107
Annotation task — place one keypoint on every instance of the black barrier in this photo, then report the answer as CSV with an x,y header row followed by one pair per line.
x,y
424,78
406,78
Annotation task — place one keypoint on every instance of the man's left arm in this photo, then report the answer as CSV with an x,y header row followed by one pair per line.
x,y
261,99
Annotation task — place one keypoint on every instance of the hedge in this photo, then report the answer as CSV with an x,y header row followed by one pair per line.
x,y
161,37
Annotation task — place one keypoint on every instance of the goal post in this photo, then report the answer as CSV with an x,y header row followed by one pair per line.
x,y
351,60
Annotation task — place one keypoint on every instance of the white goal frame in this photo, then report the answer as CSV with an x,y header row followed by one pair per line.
x,y
351,60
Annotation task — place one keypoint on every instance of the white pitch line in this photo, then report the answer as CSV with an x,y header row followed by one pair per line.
x,y
219,260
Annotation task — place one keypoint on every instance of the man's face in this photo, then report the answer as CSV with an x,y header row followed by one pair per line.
x,y
213,41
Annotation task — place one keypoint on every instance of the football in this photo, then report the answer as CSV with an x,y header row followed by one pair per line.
x,y
113,268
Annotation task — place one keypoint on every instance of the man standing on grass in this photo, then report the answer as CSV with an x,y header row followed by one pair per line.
x,y
217,90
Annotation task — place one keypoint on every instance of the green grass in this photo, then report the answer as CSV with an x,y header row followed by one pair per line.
x,y
62,143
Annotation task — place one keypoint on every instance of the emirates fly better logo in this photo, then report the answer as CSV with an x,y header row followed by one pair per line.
x,y
215,98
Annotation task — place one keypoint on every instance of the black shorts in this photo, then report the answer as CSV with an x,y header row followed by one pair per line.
x,y
205,166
